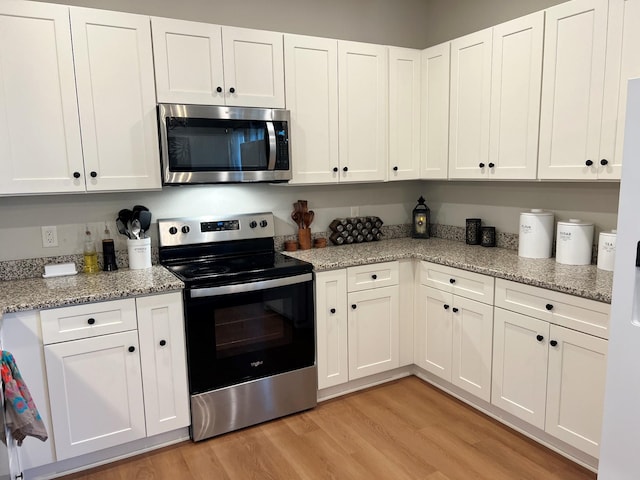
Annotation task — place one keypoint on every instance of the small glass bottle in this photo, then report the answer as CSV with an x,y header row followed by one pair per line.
x,y
90,254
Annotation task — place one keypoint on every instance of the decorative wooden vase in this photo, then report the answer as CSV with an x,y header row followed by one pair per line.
x,y
304,238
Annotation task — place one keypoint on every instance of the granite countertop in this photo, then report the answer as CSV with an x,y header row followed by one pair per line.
x,y
40,293
585,281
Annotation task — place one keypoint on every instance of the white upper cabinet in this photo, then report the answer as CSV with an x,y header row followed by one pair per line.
x,y
573,90
116,96
516,77
363,111
40,147
311,69
470,102
404,113
435,111
200,63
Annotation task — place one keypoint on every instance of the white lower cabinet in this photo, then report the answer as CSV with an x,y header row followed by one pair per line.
x,y
113,388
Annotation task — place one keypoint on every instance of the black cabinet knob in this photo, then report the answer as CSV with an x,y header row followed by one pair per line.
x,y
219,89
163,343
333,310
93,174
553,343
76,174
539,338
91,321
548,306
604,162
374,276
335,169
395,169
452,280
481,165
491,165
455,310
446,307
588,163
345,169
232,90
354,306
132,349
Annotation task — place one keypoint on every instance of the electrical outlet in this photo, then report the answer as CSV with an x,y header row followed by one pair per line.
x,y
50,236
355,211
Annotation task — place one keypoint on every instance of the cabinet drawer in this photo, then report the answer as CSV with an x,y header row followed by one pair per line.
x,y
569,311
474,286
372,276
89,320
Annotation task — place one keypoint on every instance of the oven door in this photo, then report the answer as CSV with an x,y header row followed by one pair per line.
x,y
241,332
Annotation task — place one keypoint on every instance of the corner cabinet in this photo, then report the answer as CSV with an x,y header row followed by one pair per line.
x,y
116,372
207,64
54,51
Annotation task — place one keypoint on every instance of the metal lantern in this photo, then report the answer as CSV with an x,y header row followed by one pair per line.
x,y
421,220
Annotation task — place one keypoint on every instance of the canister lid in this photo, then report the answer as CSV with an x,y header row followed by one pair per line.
x,y
537,212
612,233
576,222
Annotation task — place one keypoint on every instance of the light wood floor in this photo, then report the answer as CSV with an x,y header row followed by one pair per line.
x,y
400,430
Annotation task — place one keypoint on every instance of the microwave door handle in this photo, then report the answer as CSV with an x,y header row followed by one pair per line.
x,y
271,134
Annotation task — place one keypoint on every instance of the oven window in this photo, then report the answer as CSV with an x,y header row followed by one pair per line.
x,y
242,336
202,145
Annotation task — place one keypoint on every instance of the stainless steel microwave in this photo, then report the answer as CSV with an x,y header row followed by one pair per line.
x,y
209,144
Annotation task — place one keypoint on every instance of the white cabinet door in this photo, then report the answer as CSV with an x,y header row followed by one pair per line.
x,y
519,376
311,70
188,62
572,90
373,331
95,390
516,77
434,331
164,362
40,148
363,71
22,337
404,113
435,111
253,67
472,341
331,328
575,389
116,95
470,103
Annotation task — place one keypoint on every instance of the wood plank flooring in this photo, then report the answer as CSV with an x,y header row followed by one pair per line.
x,y
401,430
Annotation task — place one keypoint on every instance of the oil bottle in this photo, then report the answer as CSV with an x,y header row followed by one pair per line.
x,y
90,254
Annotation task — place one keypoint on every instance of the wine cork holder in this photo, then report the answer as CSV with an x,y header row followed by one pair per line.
x,y
355,230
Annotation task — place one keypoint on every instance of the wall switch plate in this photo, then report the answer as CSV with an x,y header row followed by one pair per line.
x,y
355,211
50,236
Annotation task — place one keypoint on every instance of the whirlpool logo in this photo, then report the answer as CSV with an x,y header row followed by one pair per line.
x,y
257,364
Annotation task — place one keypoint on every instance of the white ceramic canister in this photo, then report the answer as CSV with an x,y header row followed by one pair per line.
x,y
574,242
606,250
139,251
535,238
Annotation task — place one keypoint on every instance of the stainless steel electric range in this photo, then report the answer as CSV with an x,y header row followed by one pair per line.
x,y
249,320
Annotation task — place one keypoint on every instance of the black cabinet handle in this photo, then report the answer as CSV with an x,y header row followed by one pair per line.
x,y
91,321
395,169
481,165
455,310
354,306
132,349
232,90
604,162
333,310
548,306
345,169
163,343
76,174
93,174
452,280
491,165
588,163
553,343
374,276
219,89
335,169
539,338
446,307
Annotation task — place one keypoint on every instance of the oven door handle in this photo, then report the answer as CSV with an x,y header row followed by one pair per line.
x,y
271,132
249,287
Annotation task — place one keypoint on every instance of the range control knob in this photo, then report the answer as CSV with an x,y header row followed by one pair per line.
x,y
253,224
263,223
185,229
173,230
